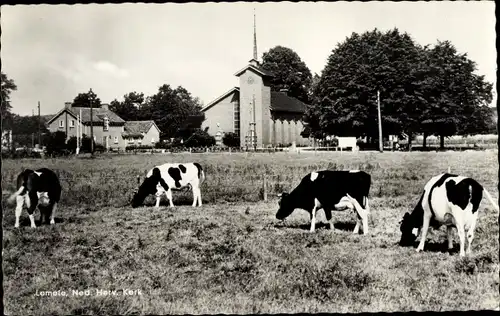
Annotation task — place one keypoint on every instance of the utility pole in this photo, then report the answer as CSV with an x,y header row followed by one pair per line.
x,y
39,133
91,126
32,134
380,141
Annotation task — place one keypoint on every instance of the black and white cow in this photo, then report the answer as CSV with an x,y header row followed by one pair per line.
x,y
329,190
37,188
170,176
449,200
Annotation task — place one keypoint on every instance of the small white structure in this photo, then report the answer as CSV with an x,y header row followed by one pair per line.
x,y
346,142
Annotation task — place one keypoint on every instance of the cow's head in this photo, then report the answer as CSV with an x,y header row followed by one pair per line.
x,y
146,188
408,231
286,206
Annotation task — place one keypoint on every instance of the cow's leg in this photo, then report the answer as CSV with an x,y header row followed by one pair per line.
x,y
158,198
425,229
31,201
470,232
169,197
53,215
199,195
358,224
329,218
362,213
19,209
195,195
449,232
313,218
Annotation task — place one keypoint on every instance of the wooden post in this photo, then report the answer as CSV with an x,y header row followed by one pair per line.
x,y
380,139
264,187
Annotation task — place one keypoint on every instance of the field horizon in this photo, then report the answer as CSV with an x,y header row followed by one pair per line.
x,y
232,255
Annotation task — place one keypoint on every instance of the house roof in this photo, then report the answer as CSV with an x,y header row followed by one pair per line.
x,y
257,69
138,128
98,115
214,102
281,102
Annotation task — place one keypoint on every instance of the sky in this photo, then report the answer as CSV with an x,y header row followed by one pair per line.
x,y
55,52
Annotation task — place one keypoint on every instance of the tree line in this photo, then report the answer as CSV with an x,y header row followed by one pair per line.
x,y
427,90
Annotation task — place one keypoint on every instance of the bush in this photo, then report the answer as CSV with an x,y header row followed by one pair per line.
x,y
200,138
231,139
139,147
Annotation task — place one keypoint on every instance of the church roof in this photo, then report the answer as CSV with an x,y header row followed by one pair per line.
x,y
261,71
214,102
281,102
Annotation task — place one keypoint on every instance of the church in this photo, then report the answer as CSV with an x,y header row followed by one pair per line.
x,y
262,118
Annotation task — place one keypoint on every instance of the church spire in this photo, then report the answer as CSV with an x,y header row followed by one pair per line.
x,y
254,37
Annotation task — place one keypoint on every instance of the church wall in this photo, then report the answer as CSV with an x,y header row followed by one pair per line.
x,y
266,114
222,113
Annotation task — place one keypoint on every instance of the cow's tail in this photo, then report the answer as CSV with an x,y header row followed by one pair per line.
x,y
490,198
202,176
12,198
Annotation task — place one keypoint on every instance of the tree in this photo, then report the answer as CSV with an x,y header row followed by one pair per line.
x,y
457,98
7,86
175,112
129,109
290,72
345,97
200,138
231,139
84,99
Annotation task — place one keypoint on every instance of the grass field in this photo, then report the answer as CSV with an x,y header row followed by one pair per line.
x,y
232,255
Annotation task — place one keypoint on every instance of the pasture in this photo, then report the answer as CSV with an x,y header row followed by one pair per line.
x,y
232,255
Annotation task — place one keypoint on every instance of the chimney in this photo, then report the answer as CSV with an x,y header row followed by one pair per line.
x,y
105,106
67,105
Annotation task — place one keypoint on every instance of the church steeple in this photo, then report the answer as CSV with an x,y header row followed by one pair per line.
x,y
254,61
254,37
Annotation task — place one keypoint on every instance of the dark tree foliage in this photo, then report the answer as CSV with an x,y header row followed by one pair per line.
x,y
290,72
7,87
175,111
200,138
84,100
422,90
130,108
231,139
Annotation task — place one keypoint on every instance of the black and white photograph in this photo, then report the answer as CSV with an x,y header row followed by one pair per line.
x,y
249,158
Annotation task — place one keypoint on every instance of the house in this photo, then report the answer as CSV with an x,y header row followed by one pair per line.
x,y
109,129
141,133
6,139
261,117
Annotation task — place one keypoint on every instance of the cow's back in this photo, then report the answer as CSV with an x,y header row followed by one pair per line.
x,y
177,175
331,186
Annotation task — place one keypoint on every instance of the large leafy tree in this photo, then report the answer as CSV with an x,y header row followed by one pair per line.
x,y
290,72
84,99
345,98
176,112
7,86
457,98
129,108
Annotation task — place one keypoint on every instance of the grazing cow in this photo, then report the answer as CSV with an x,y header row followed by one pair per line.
x,y
170,176
449,200
37,188
329,190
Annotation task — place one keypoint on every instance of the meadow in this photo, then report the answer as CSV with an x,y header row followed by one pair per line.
x,y
232,255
